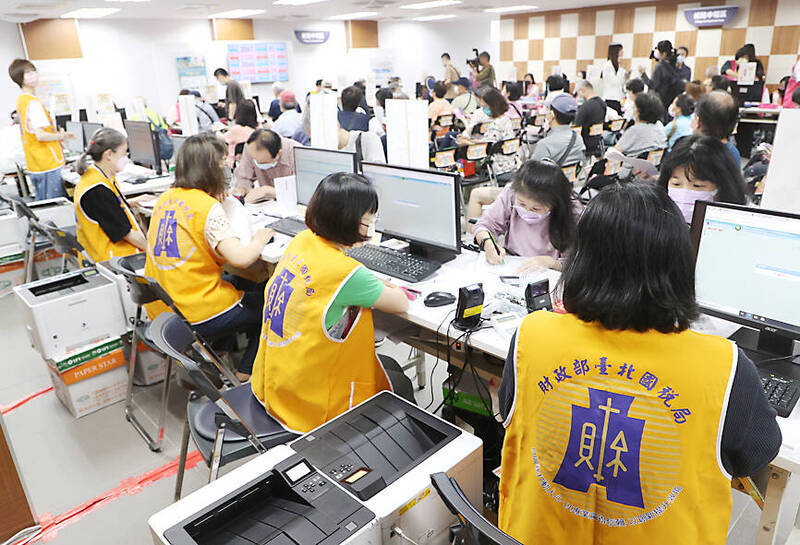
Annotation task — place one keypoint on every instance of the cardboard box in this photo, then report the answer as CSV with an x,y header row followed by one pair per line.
x,y
47,261
91,377
12,268
151,366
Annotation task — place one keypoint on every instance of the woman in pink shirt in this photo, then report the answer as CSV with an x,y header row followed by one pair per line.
x,y
513,94
244,123
537,213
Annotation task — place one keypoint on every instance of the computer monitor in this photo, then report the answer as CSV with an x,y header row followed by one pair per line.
x,y
311,165
141,144
478,530
82,115
177,142
61,121
89,129
748,272
419,206
77,144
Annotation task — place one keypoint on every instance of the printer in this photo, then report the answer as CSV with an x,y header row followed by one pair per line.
x,y
378,456
60,211
70,310
384,451
278,498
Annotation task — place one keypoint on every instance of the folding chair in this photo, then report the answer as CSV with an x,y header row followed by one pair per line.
x,y
65,242
506,148
250,429
141,294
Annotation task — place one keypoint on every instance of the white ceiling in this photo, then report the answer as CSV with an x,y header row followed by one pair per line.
x,y
29,10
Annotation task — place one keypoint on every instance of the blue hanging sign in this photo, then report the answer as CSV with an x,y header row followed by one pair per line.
x,y
710,17
312,36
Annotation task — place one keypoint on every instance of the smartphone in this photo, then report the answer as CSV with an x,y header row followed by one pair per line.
x,y
537,296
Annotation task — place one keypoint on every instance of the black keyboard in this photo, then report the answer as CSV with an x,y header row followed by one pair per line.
x,y
398,264
782,392
288,226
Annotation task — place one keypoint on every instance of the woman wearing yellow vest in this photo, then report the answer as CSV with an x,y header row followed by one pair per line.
x,y
106,224
622,425
316,358
44,156
189,240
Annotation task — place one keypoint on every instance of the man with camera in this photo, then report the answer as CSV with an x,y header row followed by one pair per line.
x,y
482,71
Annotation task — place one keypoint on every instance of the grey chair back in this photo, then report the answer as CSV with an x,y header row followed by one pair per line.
x,y
141,292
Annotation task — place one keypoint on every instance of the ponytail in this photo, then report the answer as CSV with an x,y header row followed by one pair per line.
x,y
102,140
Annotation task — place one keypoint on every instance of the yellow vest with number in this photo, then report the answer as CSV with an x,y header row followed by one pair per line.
x,y
614,436
179,258
39,156
304,376
90,234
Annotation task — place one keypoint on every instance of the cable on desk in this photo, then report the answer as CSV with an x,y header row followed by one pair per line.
x,y
396,530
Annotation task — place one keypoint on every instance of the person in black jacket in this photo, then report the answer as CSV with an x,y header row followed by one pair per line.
x,y
666,79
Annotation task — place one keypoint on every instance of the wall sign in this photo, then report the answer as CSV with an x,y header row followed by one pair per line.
x,y
710,17
312,36
258,62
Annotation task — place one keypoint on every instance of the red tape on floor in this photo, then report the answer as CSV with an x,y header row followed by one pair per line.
x,y
5,409
51,524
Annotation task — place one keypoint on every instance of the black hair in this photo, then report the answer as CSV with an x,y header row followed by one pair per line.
x,y
650,107
533,80
246,114
546,183
360,84
318,83
720,83
685,104
485,54
439,89
494,99
796,96
635,86
668,54
706,158
514,91
563,118
382,95
446,56
220,72
747,50
184,92
717,114
555,83
632,267
684,48
613,55
351,98
266,139
102,140
335,209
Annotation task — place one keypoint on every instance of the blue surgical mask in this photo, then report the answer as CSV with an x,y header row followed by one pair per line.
x,y
530,217
487,111
681,59
264,166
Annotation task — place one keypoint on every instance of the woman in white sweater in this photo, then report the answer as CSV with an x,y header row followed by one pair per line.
x,y
614,77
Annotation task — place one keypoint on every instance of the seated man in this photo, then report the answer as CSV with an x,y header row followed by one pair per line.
x,y
290,122
591,112
716,115
349,118
562,144
267,156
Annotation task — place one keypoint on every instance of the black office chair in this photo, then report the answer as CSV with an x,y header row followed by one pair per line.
x,y
65,242
211,413
141,294
504,148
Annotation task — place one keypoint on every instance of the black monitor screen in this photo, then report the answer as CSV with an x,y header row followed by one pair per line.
x,y
140,143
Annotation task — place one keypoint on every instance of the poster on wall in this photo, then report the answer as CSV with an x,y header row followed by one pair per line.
x,y
192,73
258,62
55,90
381,67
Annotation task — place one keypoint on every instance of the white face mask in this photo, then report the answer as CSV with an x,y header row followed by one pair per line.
x,y
371,230
681,59
264,166
121,163
31,78
530,217
685,199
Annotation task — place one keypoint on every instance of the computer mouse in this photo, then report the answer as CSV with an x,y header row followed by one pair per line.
x,y
439,299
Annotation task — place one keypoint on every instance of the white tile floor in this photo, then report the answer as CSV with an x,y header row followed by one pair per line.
x,y
66,462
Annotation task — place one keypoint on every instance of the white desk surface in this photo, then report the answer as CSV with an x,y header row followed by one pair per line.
x,y
154,185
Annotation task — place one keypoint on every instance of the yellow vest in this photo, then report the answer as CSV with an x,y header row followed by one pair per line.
x,y
179,258
303,376
39,156
614,436
90,234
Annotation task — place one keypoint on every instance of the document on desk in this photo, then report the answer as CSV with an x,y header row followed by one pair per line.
x,y
239,217
638,164
286,195
508,267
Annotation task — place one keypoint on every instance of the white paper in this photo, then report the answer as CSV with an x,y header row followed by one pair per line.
x,y
747,73
407,133
187,107
286,195
322,120
782,183
239,218
638,164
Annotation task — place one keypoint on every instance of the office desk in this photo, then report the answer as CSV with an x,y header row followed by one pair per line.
x,y
154,185
757,115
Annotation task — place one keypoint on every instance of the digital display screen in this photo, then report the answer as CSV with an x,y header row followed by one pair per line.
x,y
297,472
356,475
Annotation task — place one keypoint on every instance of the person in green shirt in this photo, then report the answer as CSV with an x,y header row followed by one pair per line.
x,y
484,76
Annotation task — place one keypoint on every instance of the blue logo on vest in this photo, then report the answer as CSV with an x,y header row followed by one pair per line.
x,y
277,299
167,241
603,449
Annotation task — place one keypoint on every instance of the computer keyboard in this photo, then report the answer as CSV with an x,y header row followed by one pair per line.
x,y
394,263
288,226
782,392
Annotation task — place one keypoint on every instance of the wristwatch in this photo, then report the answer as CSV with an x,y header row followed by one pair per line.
x,y
483,242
